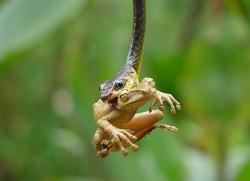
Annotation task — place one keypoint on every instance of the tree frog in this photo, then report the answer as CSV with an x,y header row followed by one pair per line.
x,y
119,124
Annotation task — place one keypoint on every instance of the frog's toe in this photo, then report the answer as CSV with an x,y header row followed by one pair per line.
x,y
124,151
161,108
103,153
135,148
129,134
178,106
167,127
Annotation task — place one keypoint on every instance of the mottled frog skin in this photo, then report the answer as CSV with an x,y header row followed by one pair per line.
x,y
119,123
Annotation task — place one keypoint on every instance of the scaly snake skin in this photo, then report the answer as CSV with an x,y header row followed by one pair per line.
x,y
135,50
136,47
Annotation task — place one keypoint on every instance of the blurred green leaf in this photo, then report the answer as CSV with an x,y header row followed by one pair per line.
x,y
46,96
24,22
244,174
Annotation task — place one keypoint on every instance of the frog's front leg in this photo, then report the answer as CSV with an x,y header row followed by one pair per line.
x,y
160,97
119,136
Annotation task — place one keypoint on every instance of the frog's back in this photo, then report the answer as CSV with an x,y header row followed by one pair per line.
x,y
101,109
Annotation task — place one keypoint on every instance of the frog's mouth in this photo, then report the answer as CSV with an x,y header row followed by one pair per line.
x,y
113,102
108,97
123,98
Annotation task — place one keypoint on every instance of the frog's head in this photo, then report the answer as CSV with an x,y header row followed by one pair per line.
x,y
136,96
125,79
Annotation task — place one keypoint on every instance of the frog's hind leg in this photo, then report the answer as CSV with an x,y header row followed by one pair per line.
x,y
140,134
143,123
143,120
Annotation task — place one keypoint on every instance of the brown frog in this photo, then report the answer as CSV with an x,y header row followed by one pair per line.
x,y
119,124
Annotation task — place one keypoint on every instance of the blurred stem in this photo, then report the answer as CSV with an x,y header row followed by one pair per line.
x,y
190,24
217,7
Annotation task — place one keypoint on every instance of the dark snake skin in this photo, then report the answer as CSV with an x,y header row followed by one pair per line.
x,y
136,47
135,51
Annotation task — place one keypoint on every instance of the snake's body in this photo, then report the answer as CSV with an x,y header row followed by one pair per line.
x,y
136,47
134,57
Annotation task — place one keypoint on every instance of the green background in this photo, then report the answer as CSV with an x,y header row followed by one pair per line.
x,y
54,54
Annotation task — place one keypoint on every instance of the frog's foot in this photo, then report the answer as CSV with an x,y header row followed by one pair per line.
x,y
167,127
105,146
103,153
160,97
122,138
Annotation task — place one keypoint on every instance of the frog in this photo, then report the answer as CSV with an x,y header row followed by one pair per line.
x,y
120,126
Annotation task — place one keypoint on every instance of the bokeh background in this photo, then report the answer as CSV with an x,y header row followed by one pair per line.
x,y
55,53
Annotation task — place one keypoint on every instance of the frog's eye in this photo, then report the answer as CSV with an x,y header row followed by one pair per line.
x,y
119,84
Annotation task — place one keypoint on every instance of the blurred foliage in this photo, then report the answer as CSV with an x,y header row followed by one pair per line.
x,y
54,54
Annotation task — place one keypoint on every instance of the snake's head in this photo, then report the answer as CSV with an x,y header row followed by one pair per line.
x,y
112,89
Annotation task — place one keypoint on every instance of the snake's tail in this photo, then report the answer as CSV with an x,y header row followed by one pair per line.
x,y
136,46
